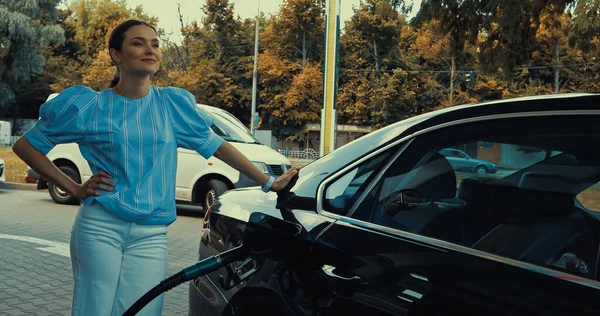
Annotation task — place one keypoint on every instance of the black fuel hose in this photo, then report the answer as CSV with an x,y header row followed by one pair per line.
x,y
201,268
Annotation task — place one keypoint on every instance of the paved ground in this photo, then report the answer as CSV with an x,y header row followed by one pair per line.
x,y
35,270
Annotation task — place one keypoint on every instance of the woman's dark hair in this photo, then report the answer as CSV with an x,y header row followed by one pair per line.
x,y
116,41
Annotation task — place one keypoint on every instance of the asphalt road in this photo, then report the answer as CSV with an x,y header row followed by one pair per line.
x,y
35,267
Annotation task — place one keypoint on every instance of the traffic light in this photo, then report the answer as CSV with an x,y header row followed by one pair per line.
x,y
470,77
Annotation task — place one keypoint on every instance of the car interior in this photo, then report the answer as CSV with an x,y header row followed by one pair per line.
x,y
531,215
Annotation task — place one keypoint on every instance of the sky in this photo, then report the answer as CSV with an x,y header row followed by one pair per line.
x,y
166,11
192,10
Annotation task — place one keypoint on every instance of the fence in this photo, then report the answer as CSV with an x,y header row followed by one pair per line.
x,y
307,154
11,141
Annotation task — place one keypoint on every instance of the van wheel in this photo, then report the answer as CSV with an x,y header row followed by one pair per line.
x,y
214,189
59,195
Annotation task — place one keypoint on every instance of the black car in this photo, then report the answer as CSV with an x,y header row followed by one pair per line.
x,y
393,229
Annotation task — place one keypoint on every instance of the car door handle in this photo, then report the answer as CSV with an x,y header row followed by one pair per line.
x,y
329,273
413,287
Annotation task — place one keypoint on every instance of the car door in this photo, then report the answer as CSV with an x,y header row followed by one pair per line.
x,y
424,239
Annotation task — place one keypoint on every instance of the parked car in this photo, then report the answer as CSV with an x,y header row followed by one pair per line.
x,y
460,161
2,170
393,229
32,176
199,180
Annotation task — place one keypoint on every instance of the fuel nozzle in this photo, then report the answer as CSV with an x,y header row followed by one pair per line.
x,y
199,269
264,236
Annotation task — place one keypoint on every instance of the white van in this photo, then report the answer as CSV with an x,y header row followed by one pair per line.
x,y
199,181
5,132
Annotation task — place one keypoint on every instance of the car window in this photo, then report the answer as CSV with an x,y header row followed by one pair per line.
x,y
446,153
513,199
458,154
590,198
341,194
231,129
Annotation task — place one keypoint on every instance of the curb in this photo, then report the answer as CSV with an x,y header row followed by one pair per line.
x,y
18,186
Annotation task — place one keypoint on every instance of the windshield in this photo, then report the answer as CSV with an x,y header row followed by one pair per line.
x,y
231,129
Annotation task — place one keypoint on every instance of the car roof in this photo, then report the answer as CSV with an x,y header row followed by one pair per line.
x,y
538,103
541,103
211,108
529,104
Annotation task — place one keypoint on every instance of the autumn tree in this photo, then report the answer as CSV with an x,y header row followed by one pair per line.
x,y
297,30
584,34
93,21
438,55
452,24
290,69
508,26
367,99
219,59
585,25
551,49
375,88
175,57
372,35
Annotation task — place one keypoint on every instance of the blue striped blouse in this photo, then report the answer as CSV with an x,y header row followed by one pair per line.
x,y
134,140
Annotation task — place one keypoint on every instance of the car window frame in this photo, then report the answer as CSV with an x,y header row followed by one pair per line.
x,y
437,243
326,183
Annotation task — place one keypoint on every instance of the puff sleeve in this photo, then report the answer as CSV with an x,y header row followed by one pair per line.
x,y
192,124
63,119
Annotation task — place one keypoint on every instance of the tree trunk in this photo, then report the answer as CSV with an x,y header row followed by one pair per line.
x,y
452,71
557,70
184,62
304,52
375,55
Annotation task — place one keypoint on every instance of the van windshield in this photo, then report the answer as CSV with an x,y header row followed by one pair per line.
x,y
231,129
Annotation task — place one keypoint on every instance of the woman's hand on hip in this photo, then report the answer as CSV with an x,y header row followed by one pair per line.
x,y
284,179
99,181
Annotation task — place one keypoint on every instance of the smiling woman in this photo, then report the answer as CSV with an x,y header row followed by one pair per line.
x,y
129,134
135,55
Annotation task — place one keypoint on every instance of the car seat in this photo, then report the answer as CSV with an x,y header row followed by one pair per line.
x,y
550,225
435,180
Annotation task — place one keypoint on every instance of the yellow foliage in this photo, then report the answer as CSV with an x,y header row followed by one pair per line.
x,y
100,72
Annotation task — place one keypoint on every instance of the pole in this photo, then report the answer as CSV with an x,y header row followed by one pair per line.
x,y
254,72
328,110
